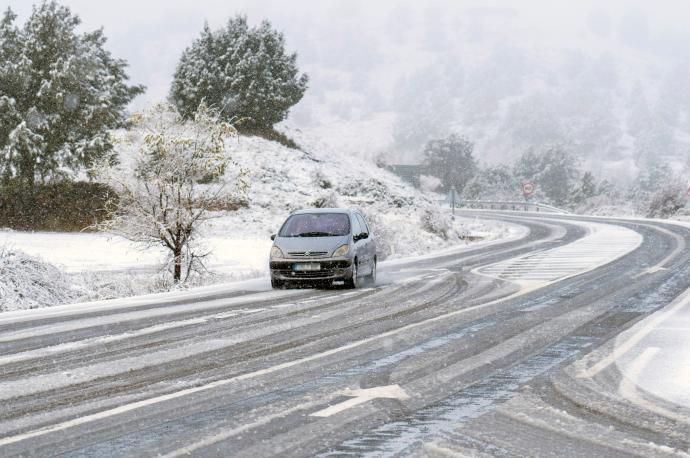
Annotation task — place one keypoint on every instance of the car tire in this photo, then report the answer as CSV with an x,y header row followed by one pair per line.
x,y
371,278
352,282
277,284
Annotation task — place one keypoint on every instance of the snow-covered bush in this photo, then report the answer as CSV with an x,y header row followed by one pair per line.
x,y
321,180
328,200
437,222
27,282
667,201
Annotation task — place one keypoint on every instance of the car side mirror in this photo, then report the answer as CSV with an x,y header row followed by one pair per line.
x,y
360,236
273,236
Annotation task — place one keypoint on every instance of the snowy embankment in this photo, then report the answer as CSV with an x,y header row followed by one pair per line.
x,y
98,266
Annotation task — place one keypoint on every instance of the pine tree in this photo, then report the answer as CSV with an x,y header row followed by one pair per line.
x,y
60,94
244,72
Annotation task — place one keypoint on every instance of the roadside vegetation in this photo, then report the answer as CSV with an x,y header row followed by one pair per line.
x,y
559,179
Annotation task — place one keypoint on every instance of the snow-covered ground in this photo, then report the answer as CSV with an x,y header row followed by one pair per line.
x,y
659,344
406,222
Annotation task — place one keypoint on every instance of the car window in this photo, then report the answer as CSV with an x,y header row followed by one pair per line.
x,y
362,224
356,229
316,225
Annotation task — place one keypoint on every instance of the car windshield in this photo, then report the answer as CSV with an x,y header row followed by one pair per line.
x,y
316,225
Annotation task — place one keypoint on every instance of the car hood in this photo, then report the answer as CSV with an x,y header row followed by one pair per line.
x,y
327,244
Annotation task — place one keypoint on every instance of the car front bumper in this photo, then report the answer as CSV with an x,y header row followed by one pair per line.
x,y
330,269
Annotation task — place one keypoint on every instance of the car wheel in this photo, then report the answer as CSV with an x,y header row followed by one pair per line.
x,y
372,276
277,284
353,282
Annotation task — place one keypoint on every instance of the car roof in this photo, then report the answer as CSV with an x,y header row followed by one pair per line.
x,y
323,210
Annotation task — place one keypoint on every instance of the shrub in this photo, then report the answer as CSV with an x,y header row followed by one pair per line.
x,y
667,202
27,282
55,206
436,222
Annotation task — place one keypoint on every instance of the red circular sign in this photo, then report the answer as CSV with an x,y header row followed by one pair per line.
x,y
528,188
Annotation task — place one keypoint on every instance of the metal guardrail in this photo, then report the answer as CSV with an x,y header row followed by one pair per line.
x,y
509,205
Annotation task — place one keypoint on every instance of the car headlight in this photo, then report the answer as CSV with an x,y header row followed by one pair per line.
x,y
276,252
342,250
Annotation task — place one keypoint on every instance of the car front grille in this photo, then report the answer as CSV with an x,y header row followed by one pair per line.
x,y
307,274
325,265
307,254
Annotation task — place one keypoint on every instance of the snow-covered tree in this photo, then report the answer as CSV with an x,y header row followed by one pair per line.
x,y
553,170
244,72
493,182
60,94
653,177
587,188
173,172
450,159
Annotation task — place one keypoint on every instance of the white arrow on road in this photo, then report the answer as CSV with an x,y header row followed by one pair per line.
x,y
363,395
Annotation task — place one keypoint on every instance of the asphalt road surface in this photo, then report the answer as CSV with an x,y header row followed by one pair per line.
x,y
496,350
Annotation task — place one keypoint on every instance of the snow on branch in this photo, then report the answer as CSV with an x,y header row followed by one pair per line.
x,y
167,188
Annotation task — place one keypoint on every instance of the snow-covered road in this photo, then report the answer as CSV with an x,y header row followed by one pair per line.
x,y
445,352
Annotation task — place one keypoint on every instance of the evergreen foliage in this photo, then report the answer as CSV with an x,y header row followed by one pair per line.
x,y
242,71
60,94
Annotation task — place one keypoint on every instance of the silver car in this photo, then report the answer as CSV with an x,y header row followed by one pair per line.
x,y
323,245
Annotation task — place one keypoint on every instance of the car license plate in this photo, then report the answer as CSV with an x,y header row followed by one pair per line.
x,y
306,267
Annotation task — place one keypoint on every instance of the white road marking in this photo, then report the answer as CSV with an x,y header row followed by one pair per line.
x,y
281,306
604,244
361,396
651,270
654,321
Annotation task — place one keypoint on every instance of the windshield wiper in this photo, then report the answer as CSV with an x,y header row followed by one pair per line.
x,y
314,234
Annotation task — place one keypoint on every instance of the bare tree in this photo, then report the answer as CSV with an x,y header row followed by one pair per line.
x,y
170,175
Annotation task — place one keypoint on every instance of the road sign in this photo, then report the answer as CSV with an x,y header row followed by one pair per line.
x,y
527,188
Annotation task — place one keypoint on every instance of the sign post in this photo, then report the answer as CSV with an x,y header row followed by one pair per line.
x,y
527,191
452,198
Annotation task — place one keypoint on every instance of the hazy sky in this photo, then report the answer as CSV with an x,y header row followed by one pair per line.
x,y
151,34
